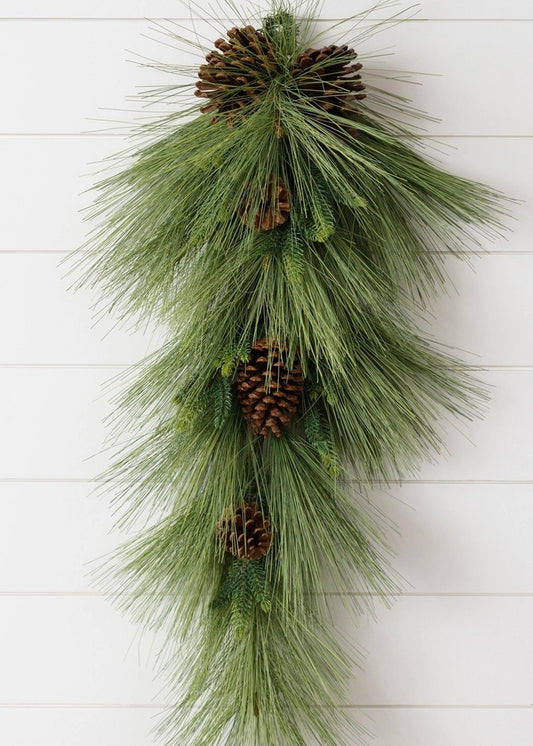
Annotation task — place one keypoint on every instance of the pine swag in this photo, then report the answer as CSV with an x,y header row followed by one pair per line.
x,y
287,232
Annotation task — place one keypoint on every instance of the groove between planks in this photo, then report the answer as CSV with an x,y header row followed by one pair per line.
x,y
478,254
124,366
161,706
218,19
354,594
87,480
127,130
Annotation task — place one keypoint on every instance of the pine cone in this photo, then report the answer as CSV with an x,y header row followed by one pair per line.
x,y
246,532
269,393
330,78
237,73
271,210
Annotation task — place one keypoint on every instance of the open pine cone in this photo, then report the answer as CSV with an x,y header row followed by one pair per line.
x,y
330,78
273,208
268,391
237,73
246,532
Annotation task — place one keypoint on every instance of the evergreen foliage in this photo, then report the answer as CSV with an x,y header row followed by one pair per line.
x,y
220,394
252,658
244,587
318,434
292,248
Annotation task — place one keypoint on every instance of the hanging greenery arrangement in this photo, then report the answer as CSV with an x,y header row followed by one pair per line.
x,y
287,232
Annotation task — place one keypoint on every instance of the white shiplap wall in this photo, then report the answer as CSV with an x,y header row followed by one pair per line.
x,y
451,664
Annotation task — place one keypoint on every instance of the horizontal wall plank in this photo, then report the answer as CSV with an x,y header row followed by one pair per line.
x,y
64,727
487,311
490,9
119,9
503,163
43,213
460,538
443,651
58,97
462,69
53,424
445,538
391,727
46,188
408,727
424,651
496,447
487,315
52,324
82,727
84,73
68,528
72,650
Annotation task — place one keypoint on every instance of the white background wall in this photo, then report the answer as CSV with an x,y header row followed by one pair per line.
x,y
451,664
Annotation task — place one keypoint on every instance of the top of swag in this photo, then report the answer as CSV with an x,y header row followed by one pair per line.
x,y
252,65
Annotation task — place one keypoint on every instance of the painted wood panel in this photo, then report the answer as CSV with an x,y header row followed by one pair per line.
x,y
476,316
446,651
53,423
72,650
82,727
423,651
54,428
68,527
461,538
121,9
402,727
445,538
44,212
391,727
50,324
494,448
450,727
46,187
64,98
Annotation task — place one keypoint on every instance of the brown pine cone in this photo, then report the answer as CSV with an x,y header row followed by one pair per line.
x,y
268,391
246,533
237,73
273,208
330,78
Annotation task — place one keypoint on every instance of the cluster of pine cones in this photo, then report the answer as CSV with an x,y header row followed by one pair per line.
x,y
240,70
269,392
237,74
